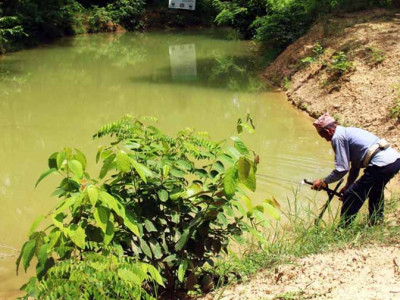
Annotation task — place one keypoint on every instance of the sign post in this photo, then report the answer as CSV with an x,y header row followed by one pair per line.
x,y
182,4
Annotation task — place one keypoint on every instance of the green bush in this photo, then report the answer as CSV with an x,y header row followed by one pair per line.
x,y
240,14
173,203
339,64
100,20
127,13
10,30
283,25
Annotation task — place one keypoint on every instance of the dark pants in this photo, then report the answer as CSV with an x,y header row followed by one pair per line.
x,y
371,185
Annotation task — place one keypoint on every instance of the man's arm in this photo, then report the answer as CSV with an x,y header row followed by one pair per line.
x,y
341,148
353,174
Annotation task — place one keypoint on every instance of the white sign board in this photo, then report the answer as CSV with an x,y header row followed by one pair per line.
x,y
182,4
183,61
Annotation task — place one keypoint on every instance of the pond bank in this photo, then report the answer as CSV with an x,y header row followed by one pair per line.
x,y
348,65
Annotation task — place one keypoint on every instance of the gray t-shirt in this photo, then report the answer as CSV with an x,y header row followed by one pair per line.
x,y
350,146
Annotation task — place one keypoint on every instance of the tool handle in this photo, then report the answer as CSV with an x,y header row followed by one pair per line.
x,y
340,195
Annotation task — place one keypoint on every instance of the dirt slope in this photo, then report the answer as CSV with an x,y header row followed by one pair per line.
x,y
365,94
353,274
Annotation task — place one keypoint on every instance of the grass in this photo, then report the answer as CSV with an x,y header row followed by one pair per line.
x,y
298,238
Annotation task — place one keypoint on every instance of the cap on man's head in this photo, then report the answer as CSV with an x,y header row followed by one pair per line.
x,y
323,121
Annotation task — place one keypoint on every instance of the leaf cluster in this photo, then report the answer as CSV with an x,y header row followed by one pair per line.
x,y
173,203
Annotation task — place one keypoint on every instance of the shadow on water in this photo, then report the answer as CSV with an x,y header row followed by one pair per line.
x,y
237,73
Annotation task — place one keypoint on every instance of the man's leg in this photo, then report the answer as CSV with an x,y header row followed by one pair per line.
x,y
354,198
376,203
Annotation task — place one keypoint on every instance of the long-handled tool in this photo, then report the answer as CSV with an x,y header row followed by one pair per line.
x,y
331,193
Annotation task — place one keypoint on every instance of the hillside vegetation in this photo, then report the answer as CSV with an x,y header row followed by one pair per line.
x,y
276,23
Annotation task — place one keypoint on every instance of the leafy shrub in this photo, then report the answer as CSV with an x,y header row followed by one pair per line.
x,y
10,29
339,64
374,56
317,51
283,24
100,20
95,276
240,14
173,203
127,13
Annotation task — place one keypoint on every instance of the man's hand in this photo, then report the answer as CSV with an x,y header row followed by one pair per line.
x,y
342,191
318,184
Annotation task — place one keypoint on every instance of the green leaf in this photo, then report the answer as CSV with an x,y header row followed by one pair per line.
x,y
219,167
93,194
235,154
79,156
155,248
145,248
112,203
192,190
221,218
142,170
129,276
102,216
58,220
166,170
244,166
230,182
107,165
183,165
98,154
123,162
53,238
76,168
247,174
28,252
163,195
248,203
42,258
149,226
155,275
45,174
35,224
182,240
52,161
130,222
66,203
77,235
240,146
182,270
177,173
272,211
60,159
109,234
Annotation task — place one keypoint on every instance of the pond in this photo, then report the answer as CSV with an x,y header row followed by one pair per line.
x,y
58,95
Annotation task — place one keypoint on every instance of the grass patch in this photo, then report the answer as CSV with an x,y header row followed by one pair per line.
x,y
298,238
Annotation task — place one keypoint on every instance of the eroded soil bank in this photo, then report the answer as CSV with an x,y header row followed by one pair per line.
x,y
361,274
348,65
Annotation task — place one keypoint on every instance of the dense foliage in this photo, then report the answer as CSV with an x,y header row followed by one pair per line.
x,y
160,205
278,22
275,22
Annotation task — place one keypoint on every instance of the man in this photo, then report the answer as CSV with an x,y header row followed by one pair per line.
x,y
354,149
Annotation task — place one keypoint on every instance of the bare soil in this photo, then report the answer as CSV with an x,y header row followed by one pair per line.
x,y
352,274
366,93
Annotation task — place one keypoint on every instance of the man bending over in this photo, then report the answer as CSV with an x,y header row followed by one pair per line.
x,y
356,148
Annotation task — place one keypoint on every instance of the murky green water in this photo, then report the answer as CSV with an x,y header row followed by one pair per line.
x,y
58,95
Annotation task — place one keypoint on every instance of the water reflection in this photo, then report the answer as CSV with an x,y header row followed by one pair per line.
x,y
183,62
